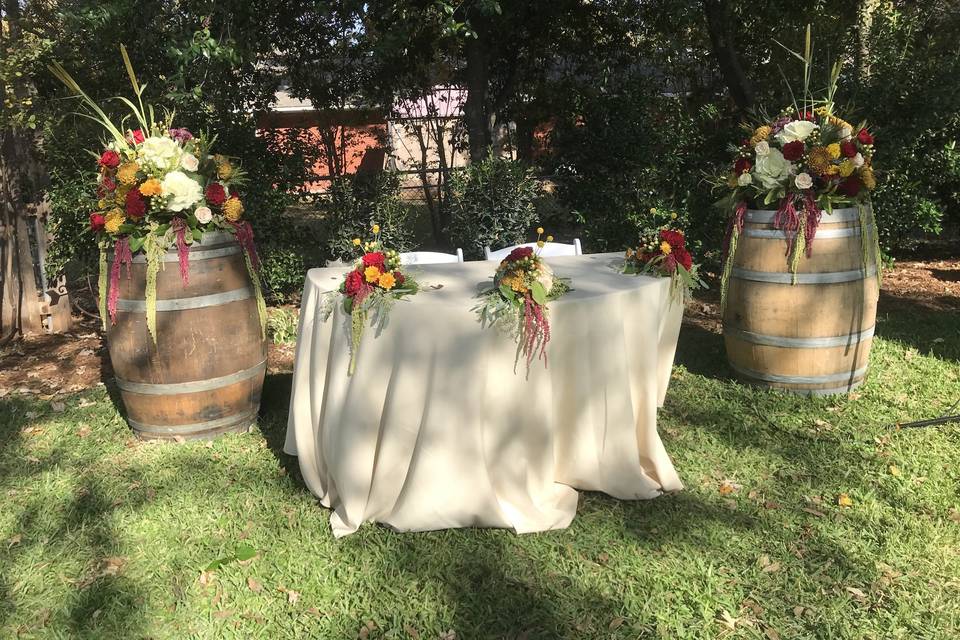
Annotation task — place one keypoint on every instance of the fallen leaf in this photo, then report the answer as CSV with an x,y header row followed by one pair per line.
x,y
206,578
857,593
83,432
410,631
59,407
955,514
771,633
728,621
14,540
222,614
894,470
813,512
84,403
727,488
603,558
769,504
799,611
254,586
112,566
179,439
616,623
844,500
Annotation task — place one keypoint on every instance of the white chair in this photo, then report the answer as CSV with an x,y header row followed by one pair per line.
x,y
549,249
430,257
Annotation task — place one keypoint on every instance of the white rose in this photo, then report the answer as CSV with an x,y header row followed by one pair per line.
x,y
182,190
744,179
772,169
161,152
858,160
762,148
203,214
803,181
796,130
189,162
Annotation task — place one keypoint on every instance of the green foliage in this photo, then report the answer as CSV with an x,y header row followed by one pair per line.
x,y
282,325
353,204
492,203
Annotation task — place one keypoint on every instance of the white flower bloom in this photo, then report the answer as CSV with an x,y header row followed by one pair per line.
x,y
845,132
182,190
189,162
744,179
858,160
203,214
796,130
803,181
762,148
161,152
772,169
545,277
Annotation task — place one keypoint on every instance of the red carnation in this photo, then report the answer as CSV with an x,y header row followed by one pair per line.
x,y
374,259
520,253
793,150
850,187
674,238
136,136
108,184
864,137
353,283
97,221
399,278
110,158
849,149
136,206
215,194
683,257
742,165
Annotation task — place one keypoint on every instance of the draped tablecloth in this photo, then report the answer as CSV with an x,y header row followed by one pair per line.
x,y
435,430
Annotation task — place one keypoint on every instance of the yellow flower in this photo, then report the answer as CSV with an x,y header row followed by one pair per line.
x,y
120,195
834,150
102,204
819,159
869,180
839,123
376,228
760,134
540,243
673,215
549,238
371,274
665,247
653,211
151,188
846,168
387,280
127,173
539,230
356,242
114,219
832,170
232,209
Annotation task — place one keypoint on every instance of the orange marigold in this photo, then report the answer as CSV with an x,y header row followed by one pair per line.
x,y
151,188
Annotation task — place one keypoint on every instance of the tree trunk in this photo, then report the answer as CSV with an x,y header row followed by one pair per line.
x,y
718,25
865,12
475,110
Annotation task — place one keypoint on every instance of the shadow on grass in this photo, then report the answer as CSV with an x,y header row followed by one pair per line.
x,y
274,409
928,326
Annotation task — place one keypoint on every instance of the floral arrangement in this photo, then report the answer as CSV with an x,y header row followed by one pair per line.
x,y
523,286
159,186
803,161
663,252
369,290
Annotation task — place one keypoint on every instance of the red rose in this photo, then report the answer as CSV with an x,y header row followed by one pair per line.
x,y
136,206
674,238
136,136
110,158
742,165
215,194
683,257
793,150
97,221
353,283
520,253
399,277
864,137
850,187
374,259
849,149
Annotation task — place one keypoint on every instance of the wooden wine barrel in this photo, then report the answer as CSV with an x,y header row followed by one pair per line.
x,y
204,375
812,337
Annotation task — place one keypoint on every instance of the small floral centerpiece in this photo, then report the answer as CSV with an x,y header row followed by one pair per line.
x,y
663,252
523,286
802,161
159,186
369,289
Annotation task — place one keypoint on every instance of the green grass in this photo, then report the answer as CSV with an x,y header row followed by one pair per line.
x,y
102,537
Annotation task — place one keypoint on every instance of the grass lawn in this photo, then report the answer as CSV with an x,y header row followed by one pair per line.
x,y
103,537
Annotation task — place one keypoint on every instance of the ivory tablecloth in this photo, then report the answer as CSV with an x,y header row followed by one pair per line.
x,y
434,430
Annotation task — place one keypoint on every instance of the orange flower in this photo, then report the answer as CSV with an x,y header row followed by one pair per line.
x,y
151,188
387,280
372,274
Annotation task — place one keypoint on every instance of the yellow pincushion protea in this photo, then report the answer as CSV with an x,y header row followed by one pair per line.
x,y
819,159
869,180
760,134
127,173
113,220
232,209
151,188
834,150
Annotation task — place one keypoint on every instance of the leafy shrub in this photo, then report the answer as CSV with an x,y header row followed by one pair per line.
x,y
492,203
282,325
354,203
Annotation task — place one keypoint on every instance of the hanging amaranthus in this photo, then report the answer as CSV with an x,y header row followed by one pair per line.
x,y
730,241
121,256
102,284
154,248
180,230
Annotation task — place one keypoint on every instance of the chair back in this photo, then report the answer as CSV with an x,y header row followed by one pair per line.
x,y
430,257
549,249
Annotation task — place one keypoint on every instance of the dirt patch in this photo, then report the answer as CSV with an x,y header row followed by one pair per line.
x,y
933,284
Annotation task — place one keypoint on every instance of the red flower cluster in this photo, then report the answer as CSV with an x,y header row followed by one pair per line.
x,y
865,137
375,259
850,186
849,149
353,284
678,250
215,194
136,136
519,254
793,151
110,159
742,165
136,205
97,220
